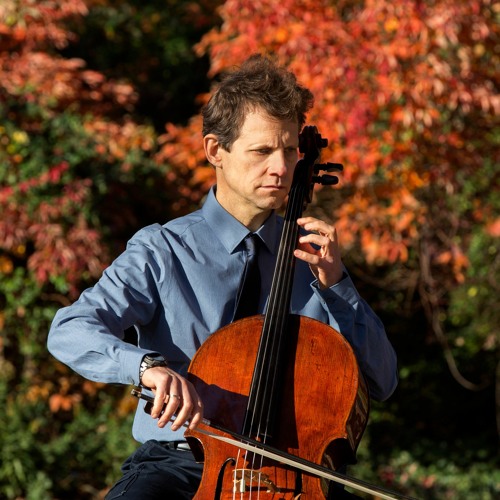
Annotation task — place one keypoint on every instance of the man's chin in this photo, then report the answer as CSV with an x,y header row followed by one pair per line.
x,y
273,203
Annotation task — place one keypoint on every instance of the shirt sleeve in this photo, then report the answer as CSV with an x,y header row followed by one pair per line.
x,y
363,329
87,335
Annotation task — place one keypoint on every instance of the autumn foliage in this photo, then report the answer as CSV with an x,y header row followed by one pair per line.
x,y
40,94
406,91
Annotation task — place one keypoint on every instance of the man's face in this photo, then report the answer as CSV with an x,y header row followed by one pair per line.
x,y
256,175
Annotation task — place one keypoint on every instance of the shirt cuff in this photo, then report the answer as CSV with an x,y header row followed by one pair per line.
x,y
344,290
130,361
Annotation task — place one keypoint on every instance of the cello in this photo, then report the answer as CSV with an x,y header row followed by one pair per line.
x,y
254,377
285,403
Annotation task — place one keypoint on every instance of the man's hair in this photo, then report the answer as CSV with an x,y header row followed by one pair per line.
x,y
259,83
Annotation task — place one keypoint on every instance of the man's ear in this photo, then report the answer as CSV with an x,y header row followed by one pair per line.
x,y
212,150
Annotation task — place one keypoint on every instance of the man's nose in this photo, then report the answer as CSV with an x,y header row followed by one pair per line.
x,y
278,163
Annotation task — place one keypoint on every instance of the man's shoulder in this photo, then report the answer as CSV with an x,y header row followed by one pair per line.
x,y
174,228
184,223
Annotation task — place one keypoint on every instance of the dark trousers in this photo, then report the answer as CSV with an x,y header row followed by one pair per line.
x,y
159,471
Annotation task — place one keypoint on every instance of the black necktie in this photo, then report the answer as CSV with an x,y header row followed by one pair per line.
x,y
248,299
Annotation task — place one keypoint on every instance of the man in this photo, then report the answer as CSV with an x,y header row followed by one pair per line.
x,y
178,283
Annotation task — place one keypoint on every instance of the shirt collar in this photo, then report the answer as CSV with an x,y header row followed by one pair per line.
x,y
232,232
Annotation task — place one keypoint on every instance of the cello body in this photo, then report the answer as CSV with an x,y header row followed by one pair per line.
x,y
322,412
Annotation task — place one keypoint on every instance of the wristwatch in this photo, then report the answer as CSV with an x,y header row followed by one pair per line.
x,y
150,362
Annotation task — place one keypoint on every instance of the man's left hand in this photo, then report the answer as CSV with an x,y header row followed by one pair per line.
x,y
325,262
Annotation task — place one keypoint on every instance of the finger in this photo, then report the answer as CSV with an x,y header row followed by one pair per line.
x,y
182,415
315,225
160,399
173,402
190,408
196,415
318,239
307,256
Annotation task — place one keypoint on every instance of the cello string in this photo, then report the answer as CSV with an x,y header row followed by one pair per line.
x,y
272,345
277,302
273,323
285,277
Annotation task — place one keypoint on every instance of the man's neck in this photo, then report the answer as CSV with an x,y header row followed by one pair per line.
x,y
252,219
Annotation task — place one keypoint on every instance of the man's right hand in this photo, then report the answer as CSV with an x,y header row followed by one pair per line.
x,y
174,395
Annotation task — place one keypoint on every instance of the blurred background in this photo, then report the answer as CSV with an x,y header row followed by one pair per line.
x,y
100,135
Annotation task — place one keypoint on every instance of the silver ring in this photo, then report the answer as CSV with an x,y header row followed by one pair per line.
x,y
175,396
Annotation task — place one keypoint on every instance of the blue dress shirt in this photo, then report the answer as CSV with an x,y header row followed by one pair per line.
x,y
177,283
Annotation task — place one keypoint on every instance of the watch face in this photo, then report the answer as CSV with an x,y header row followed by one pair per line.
x,y
152,362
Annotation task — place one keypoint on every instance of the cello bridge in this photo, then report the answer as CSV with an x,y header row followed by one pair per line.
x,y
245,479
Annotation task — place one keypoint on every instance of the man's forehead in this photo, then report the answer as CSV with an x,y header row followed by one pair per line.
x,y
261,124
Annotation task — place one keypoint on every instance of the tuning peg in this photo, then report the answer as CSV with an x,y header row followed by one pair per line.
x,y
329,167
325,180
321,141
310,138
